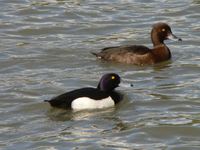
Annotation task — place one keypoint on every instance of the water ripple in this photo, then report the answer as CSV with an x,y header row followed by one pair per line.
x,y
45,50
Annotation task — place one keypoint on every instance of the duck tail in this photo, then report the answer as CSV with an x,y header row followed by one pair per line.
x,y
46,100
95,54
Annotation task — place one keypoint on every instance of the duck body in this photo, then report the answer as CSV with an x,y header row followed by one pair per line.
x,y
139,54
90,98
86,98
135,54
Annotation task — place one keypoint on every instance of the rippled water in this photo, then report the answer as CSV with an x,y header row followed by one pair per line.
x,y
45,50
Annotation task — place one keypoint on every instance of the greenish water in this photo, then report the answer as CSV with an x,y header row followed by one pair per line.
x,y
45,51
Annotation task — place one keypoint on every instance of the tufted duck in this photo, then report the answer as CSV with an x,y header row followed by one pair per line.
x,y
142,55
91,98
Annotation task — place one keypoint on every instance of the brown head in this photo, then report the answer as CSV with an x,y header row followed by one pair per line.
x,y
160,32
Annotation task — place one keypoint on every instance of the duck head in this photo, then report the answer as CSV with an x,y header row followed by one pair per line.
x,y
109,82
160,32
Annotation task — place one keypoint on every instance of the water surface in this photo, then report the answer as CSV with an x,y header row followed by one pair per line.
x,y
45,50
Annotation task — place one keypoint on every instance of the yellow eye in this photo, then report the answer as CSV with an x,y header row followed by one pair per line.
x,y
163,30
113,77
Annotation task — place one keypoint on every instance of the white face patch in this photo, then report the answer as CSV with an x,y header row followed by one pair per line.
x,y
88,103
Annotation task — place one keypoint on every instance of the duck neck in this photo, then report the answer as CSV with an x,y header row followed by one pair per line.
x,y
102,87
156,39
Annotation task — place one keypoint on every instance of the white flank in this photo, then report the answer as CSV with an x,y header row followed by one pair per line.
x,y
88,103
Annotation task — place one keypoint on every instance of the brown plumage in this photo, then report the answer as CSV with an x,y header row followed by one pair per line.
x,y
142,55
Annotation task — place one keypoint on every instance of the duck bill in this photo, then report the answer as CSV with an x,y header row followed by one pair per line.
x,y
173,37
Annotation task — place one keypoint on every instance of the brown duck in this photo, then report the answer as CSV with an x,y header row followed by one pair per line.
x,y
142,55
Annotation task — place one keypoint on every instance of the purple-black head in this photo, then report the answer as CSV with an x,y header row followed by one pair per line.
x,y
109,82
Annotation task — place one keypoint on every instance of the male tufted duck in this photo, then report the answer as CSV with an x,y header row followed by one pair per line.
x,y
91,98
142,55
